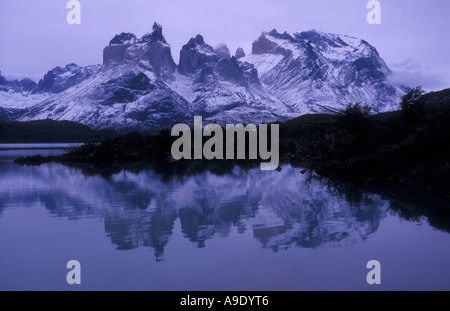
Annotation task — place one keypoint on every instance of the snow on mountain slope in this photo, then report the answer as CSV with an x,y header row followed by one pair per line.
x,y
60,79
127,93
19,101
151,51
140,87
313,69
223,89
121,97
16,86
263,62
17,96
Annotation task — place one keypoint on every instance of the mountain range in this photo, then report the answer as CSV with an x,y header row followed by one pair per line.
x,y
140,87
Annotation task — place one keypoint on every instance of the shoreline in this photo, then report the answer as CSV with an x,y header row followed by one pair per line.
x,y
409,148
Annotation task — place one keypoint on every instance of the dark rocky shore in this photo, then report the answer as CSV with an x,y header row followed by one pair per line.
x,y
407,149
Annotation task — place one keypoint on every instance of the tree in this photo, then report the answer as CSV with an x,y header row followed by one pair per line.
x,y
356,110
411,104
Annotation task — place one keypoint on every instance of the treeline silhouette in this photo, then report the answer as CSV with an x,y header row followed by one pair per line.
x,y
408,148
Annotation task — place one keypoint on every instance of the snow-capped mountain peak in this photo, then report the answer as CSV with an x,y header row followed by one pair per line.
x,y
125,38
154,36
60,79
312,69
195,54
151,51
140,87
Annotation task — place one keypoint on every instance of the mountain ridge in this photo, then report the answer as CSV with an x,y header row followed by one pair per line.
x,y
139,86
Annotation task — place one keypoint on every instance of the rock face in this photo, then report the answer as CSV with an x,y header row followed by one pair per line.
x,y
18,96
239,53
152,52
60,79
195,54
120,97
140,87
263,45
240,73
117,49
127,93
310,70
225,90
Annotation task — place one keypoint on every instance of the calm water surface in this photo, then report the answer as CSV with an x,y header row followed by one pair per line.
x,y
243,230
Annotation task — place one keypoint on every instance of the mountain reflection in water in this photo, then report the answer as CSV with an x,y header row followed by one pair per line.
x,y
282,209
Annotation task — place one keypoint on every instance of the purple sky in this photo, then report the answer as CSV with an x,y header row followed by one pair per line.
x,y
413,37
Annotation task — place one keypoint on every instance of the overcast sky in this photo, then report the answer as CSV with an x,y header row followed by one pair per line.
x,y
413,37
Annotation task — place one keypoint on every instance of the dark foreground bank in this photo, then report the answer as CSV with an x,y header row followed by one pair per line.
x,y
409,148
51,131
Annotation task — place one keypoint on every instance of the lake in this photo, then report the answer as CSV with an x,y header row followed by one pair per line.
x,y
243,229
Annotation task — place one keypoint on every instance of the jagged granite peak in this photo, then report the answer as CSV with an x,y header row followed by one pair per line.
x,y
263,45
222,50
60,79
224,89
198,43
127,93
139,86
239,53
16,97
274,33
195,54
124,97
152,52
123,39
154,36
312,69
